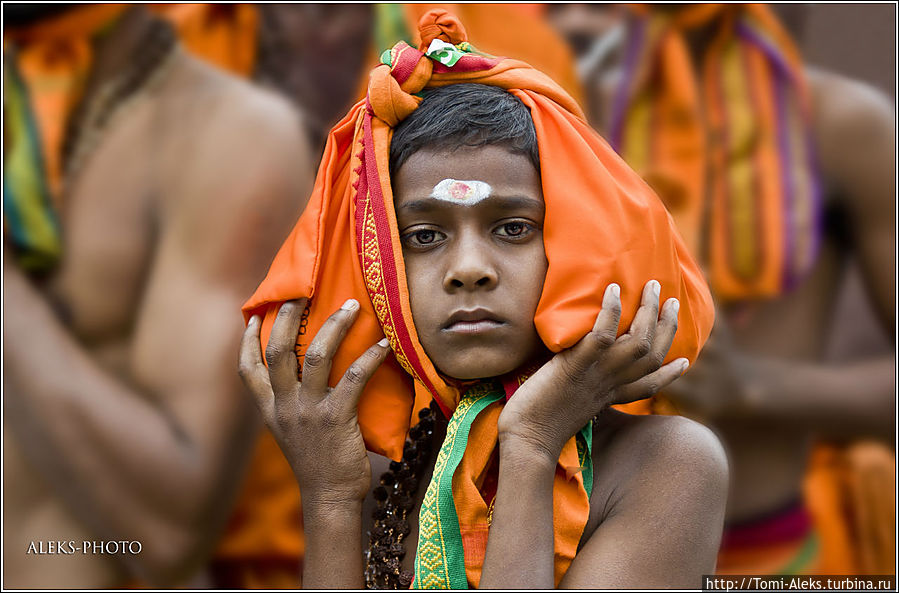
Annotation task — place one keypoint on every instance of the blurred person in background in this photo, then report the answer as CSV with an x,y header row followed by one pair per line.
x,y
777,173
143,193
595,33
319,56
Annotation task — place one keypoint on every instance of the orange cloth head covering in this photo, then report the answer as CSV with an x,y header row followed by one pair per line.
x,y
346,244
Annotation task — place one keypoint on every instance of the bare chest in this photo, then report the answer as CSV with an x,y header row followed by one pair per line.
x,y
796,325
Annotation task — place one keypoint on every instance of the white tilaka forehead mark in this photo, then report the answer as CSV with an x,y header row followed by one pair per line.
x,y
468,193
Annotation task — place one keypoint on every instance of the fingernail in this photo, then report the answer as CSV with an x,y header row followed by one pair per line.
x,y
253,320
675,306
383,343
616,290
350,305
684,363
656,287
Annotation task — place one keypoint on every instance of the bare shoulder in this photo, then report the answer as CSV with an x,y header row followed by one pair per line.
x,y
637,456
231,130
853,125
854,133
842,102
660,485
237,167
230,103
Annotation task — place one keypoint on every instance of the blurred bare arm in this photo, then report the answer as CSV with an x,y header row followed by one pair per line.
x,y
856,148
157,457
855,140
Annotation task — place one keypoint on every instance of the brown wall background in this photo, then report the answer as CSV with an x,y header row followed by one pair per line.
x,y
857,40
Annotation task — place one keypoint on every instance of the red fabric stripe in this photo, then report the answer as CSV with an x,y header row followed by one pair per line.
x,y
407,58
388,264
793,524
468,63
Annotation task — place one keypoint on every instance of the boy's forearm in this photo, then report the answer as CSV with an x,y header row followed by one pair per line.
x,y
520,544
333,533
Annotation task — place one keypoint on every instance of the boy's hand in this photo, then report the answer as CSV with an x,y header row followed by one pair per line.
x,y
599,371
315,425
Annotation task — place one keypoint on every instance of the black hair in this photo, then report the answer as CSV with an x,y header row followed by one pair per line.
x,y
23,15
467,114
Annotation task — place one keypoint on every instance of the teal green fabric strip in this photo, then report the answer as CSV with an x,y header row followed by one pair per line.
x,y
584,441
445,53
806,555
440,556
29,215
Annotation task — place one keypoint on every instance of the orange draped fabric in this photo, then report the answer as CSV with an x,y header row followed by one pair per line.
x,y
223,34
346,244
227,35
511,30
849,506
850,492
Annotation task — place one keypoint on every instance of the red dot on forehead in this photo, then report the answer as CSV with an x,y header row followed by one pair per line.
x,y
459,190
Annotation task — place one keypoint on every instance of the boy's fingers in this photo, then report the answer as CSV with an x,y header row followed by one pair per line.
x,y
606,326
320,353
647,315
662,338
603,334
357,375
651,383
279,352
637,342
252,371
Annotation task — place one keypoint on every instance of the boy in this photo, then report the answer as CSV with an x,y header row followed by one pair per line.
x,y
483,286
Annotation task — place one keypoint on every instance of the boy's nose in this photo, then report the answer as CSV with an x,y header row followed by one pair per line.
x,y
470,269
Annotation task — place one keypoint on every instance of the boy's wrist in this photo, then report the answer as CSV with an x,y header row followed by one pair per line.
x,y
330,507
516,448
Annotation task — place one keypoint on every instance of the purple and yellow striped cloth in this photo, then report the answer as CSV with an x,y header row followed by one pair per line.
x,y
726,143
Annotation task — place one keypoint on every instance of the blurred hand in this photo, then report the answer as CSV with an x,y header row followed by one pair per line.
x,y
721,383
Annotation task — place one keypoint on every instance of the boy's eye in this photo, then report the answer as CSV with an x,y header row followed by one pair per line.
x,y
514,230
423,238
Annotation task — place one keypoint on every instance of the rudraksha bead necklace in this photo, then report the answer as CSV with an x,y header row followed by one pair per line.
x,y
395,497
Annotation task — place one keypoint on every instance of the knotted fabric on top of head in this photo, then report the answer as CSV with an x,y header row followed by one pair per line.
x,y
603,224
729,150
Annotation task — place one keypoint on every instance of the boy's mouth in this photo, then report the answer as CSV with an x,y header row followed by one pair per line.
x,y
472,321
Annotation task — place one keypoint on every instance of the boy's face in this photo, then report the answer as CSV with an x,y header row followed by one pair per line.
x,y
471,225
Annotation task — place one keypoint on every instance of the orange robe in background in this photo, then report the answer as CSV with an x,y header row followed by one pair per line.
x,y
223,34
727,145
263,544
